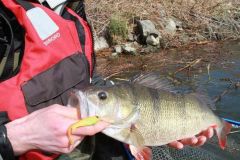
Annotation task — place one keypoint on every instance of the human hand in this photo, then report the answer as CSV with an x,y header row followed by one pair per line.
x,y
46,129
194,141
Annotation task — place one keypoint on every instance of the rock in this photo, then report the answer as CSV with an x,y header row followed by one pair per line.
x,y
150,49
153,40
146,28
115,54
184,39
179,24
118,49
136,45
136,37
131,37
100,43
171,26
129,49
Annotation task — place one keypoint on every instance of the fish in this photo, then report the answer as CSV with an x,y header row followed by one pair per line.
x,y
146,111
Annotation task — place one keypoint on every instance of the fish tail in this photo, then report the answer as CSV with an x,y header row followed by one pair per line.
x,y
222,133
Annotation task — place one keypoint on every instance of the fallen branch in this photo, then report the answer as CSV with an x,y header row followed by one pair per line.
x,y
232,86
191,64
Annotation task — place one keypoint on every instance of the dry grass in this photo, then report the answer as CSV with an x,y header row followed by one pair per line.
x,y
213,19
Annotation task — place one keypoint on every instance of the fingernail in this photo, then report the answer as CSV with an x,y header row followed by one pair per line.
x,y
180,146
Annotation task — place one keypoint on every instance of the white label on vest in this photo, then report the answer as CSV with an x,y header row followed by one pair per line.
x,y
42,23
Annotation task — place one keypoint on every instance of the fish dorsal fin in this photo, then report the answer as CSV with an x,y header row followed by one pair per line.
x,y
152,80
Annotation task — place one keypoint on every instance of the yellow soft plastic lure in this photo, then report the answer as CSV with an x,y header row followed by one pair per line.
x,y
89,121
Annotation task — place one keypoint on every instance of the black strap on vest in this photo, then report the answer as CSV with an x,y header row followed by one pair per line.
x,y
80,10
45,3
8,55
11,41
26,5
11,44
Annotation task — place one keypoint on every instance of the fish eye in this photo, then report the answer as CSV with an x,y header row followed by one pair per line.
x,y
102,95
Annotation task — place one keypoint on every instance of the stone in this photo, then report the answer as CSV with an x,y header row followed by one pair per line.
x,y
115,54
129,49
118,49
131,37
100,43
146,28
171,26
153,40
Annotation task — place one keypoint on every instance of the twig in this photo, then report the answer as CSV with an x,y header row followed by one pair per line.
x,y
114,74
218,98
230,87
193,63
208,71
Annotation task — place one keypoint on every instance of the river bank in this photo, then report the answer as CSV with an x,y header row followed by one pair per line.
x,y
193,57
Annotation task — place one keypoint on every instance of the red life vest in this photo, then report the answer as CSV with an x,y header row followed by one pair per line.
x,y
57,58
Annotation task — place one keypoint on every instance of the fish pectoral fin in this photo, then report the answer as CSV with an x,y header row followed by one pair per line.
x,y
81,123
142,153
136,137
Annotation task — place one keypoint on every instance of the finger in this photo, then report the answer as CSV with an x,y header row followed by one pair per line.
x,y
208,133
91,130
201,140
176,144
189,141
74,145
64,141
76,139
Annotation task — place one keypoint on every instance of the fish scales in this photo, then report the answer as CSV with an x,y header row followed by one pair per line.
x,y
165,116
